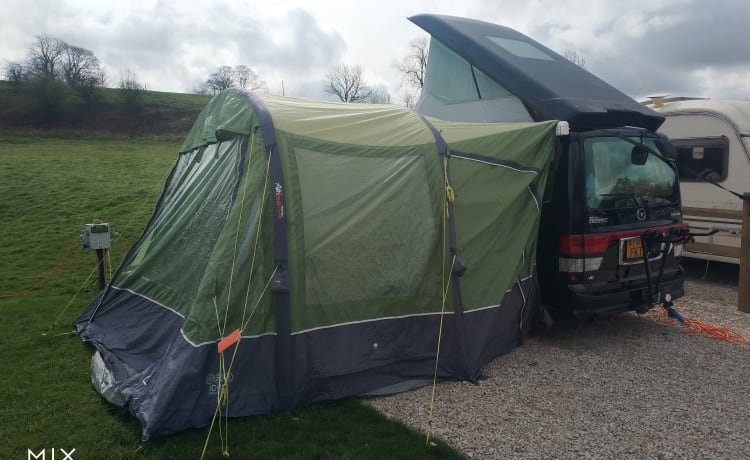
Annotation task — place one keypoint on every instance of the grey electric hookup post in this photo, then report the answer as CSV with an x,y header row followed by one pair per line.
x,y
98,236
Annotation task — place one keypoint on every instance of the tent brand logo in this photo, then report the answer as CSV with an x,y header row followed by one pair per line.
x,y
278,195
214,382
55,454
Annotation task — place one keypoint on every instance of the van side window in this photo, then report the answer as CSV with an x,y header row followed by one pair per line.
x,y
706,156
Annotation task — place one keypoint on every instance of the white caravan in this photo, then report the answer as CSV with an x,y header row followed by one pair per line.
x,y
712,138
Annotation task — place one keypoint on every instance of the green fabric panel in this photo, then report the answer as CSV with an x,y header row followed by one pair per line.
x,y
506,141
497,219
365,231
229,114
362,124
241,263
185,257
183,231
365,202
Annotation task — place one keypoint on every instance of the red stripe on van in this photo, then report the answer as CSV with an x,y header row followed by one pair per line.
x,y
597,243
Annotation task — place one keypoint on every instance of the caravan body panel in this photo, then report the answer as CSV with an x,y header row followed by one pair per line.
x,y
711,137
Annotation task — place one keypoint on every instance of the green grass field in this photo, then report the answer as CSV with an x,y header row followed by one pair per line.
x,y
49,189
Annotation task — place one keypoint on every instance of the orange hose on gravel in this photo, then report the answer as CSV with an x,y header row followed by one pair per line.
x,y
696,327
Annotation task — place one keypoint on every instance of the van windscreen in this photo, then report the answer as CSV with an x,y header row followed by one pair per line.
x,y
617,177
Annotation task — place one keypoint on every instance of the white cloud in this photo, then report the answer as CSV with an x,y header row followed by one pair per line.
x,y
734,84
639,46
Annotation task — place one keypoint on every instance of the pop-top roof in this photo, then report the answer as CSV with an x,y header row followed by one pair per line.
x,y
549,85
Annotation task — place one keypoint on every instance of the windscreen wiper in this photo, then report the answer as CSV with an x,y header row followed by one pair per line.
x,y
632,196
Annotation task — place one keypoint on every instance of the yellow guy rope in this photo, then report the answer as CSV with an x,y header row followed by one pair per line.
x,y
437,357
143,204
109,265
255,248
109,260
72,299
450,197
237,233
223,394
221,326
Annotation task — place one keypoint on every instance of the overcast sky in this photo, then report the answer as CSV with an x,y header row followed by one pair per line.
x,y
642,47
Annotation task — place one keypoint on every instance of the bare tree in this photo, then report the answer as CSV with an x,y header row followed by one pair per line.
x,y
413,65
347,83
203,89
221,79
45,55
379,96
131,90
14,72
248,78
574,57
225,77
409,99
80,67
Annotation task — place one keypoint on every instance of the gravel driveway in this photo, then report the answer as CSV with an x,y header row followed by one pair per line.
x,y
622,387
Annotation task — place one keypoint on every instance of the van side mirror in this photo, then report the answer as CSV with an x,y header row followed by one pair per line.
x,y
639,155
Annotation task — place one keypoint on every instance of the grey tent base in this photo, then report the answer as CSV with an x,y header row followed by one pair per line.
x,y
138,379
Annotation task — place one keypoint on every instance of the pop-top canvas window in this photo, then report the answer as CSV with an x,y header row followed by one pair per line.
x,y
707,157
452,80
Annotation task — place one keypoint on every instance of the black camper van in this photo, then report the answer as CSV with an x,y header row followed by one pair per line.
x,y
611,229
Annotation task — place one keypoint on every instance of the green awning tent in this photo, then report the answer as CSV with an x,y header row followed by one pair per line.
x,y
336,242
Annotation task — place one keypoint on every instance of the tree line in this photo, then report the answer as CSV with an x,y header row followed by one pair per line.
x,y
225,77
58,78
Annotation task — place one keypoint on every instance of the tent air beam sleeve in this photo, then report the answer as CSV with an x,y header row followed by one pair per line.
x,y
458,268
280,283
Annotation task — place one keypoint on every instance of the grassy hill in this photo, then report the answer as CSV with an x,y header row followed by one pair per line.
x,y
55,110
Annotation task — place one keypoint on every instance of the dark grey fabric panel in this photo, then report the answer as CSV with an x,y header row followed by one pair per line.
x,y
128,329
171,385
180,390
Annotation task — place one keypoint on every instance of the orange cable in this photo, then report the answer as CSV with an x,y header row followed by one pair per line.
x,y
46,275
699,328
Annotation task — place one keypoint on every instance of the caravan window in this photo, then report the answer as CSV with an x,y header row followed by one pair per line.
x,y
706,156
